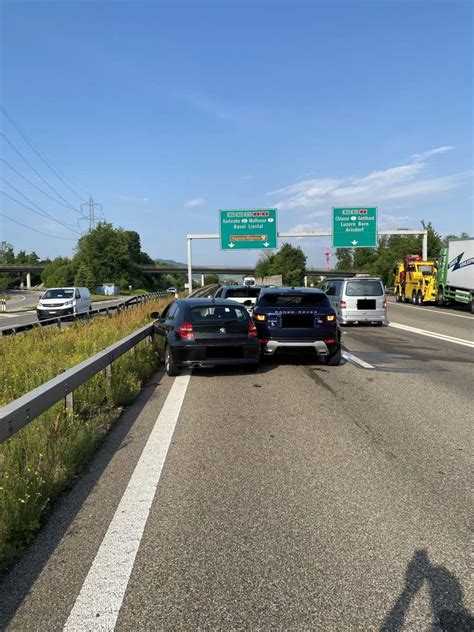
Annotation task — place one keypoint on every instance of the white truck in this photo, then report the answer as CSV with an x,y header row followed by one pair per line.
x,y
455,275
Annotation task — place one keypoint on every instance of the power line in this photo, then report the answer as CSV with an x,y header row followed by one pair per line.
x,y
36,230
68,206
37,173
41,212
40,154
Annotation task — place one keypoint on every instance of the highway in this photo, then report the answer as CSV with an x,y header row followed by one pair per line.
x,y
299,497
21,310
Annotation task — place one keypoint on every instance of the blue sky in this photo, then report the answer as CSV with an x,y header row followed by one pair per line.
x,y
167,111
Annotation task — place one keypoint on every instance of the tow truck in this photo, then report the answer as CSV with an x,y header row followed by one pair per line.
x,y
414,280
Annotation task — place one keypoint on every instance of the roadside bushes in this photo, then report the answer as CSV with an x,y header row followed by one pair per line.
x,y
42,458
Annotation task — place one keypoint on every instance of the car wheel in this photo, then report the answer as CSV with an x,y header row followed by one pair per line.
x,y
419,299
398,297
472,306
413,297
171,369
335,358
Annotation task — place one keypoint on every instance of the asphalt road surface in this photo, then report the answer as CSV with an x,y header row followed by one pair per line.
x,y
300,497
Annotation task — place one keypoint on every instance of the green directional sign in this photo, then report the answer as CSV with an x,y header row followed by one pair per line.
x,y
354,227
245,229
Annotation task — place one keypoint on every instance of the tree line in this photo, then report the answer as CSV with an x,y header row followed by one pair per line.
x,y
103,255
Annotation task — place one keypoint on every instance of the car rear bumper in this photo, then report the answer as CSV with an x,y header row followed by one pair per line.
x,y
319,346
211,355
363,316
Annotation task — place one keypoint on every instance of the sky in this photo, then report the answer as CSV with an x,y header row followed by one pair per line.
x,y
165,112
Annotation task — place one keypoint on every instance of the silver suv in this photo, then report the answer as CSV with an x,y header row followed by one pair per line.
x,y
360,299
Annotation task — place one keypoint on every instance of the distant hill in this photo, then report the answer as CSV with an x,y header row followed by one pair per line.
x,y
171,263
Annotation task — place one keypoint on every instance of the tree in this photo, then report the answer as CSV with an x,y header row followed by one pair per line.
x,y
289,261
344,259
264,264
85,278
113,255
210,279
58,273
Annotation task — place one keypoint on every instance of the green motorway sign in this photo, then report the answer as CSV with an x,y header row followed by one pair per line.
x,y
245,229
354,227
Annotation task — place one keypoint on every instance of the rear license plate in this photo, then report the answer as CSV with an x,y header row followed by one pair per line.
x,y
298,320
366,304
224,352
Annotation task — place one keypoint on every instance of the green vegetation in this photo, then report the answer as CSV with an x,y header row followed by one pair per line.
x,y
42,458
289,261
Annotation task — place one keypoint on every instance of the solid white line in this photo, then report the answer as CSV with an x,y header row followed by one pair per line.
x,y
430,309
350,357
433,334
98,604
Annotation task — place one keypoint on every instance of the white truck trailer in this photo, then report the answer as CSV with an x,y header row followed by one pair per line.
x,y
455,276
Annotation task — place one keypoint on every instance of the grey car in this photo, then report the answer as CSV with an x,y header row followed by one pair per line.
x,y
360,299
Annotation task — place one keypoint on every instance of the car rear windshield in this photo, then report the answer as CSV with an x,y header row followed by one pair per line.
x,y
246,292
290,300
364,288
59,294
208,313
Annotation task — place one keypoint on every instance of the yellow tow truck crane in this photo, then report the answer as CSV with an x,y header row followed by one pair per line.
x,y
414,280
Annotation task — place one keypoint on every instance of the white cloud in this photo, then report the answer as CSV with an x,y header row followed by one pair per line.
x,y
401,182
193,202
431,152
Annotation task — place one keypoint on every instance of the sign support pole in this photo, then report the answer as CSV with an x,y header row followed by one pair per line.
x,y
190,266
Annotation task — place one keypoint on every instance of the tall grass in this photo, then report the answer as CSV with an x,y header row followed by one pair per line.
x,y
42,458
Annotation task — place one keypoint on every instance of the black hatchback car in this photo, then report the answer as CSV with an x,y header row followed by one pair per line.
x,y
198,332
297,319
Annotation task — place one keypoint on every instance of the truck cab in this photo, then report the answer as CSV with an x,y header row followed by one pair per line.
x,y
414,280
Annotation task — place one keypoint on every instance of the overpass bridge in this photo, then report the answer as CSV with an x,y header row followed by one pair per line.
x,y
27,269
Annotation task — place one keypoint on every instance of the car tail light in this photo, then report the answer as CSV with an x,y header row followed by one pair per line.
x,y
260,317
342,304
252,330
186,331
330,318
385,304
330,341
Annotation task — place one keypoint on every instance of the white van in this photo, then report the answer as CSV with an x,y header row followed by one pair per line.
x,y
64,301
360,299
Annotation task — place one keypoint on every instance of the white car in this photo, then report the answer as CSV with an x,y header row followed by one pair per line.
x,y
64,301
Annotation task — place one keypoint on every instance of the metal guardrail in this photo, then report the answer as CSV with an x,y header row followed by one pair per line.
x,y
204,292
26,408
138,299
21,411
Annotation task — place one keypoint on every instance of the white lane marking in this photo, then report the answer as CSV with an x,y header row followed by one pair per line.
x,y
430,309
98,604
350,357
433,334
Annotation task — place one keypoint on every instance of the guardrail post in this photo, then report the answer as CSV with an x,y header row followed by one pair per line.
x,y
69,401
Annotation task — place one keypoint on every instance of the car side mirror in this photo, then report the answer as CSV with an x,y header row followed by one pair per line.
x,y
155,315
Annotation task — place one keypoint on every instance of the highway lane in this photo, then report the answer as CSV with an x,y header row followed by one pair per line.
x,y
28,317
299,497
443,320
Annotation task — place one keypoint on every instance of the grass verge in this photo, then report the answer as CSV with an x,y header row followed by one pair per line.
x,y
41,459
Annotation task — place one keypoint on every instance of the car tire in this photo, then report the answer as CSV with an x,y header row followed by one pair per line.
x,y
335,358
171,369
419,299
413,298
